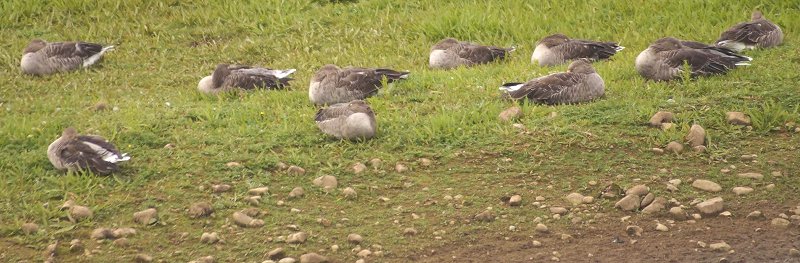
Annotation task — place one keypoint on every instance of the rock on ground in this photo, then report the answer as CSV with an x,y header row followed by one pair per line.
x,y
628,203
711,206
737,118
706,185
696,136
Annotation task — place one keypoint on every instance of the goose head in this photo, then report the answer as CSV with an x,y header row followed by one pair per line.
x,y
445,44
583,66
757,15
666,44
554,40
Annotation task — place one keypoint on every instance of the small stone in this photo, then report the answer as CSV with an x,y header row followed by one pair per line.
x,y
297,192
677,213
206,259
536,243
220,188
121,242
364,253
102,233
242,220
123,232
720,247
776,173
515,200
661,117
511,114
675,182
699,148
647,199
313,258
769,186
233,164
253,199
697,216
742,190
335,248
587,199
146,217
425,162
359,168
297,238
780,222
258,191
696,136
76,245
349,192
78,213
658,151
29,228
757,176
566,237
737,118
558,210
702,244
756,215
630,202
143,258
640,190
209,238
656,206
706,185
276,254
711,206
327,182
295,170
400,168
287,260
485,216
726,214
376,163
794,252
724,170
661,227
574,198
667,125
540,198
634,231
410,231
541,228
200,209
282,166
354,239
674,147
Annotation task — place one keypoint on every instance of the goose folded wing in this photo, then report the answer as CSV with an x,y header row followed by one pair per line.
x,y
251,78
332,112
545,88
361,82
702,62
748,33
481,54
77,153
587,49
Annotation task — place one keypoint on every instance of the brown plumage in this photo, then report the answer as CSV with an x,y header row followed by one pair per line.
x,y
558,49
43,58
756,33
664,59
76,152
331,84
450,53
231,77
580,83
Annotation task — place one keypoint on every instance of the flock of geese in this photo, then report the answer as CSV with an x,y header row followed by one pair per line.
x,y
343,90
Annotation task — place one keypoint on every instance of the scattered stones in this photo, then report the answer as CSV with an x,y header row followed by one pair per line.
x,y
359,168
102,233
276,254
29,228
558,210
634,231
511,114
143,258
674,147
720,247
258,191
295,170
756,215
297,238
313,258
146,217
640,190
209,238
515,200
656,206
756,176
297,192
630,202
706,185
661,227
327,182
737,118
400,168
485,216
200,209
242,220
354,239
661,117
220,188
780,222
541,228
696,136
742,190
349,192
574,198
677,213
409,231
711,206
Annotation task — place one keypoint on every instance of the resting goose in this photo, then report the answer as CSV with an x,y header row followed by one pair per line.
x,y
331,84
664,59
580,83
231,77
558,49
756,33
351,120
450,53
43,58
76,152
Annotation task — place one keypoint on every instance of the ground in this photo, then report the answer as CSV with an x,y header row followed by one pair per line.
x,y
148,85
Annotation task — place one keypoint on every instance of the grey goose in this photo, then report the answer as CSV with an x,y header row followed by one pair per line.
x,y
351,120
232,77
558,49
331,84
43,58
663,60
75,152
580,83
756,33
450,53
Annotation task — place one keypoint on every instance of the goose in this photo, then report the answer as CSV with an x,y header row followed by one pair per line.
x,y
43,58
756,33
450,53
231,77
331,84
558,49
580,83
663,60
74,152
351,120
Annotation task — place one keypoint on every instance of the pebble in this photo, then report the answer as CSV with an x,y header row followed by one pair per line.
x,y
574,198
657,150
297,238
258,191
672,188
634,231
699,148
143,258
29,228
123,232
376,163
121,242
558,210
76,245
706,185
220,188
78,213
756,176
146,217
541,228
780,222
287,260
297,192
349,192
756,215
737,118
674,147
313,258
243,220
794,252
536,243
510,114
675,182
233,164
742,190
400,168
200,209
677,213
327,182
630,202
726,214
485,216
253,199
702,244
425,161
711,206
295,170
696,136
656,206
587,199
662,227
209,238
410,231
354,239
721,246
276,254
661,117
770,186
540,198
364,253
647,199
640,190
515,200
359,168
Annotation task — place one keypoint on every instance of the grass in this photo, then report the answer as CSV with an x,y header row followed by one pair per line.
x,y
448,116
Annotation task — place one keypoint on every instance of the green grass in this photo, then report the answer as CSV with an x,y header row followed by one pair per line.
x,y
164,48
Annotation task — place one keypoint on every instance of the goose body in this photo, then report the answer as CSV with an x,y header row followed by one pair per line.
x,y
558,49
331,84
74,152
450,53
580,83
231,77
663,60
756,33
352,120
43,58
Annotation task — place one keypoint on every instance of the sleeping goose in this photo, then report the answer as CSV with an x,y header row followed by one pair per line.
x,y
664,59
76,152
756,33
558,49
350,120
43,58
450,53
580,83
332,84
231,77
